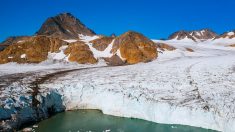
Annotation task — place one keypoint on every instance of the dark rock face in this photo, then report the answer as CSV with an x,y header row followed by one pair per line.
x,y
199,35
64,26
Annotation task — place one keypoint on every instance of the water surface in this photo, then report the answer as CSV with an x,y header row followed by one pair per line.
x,y
95,121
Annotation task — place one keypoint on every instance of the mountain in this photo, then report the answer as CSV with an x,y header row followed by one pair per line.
x,y
65,38
64,26
198,35
228,35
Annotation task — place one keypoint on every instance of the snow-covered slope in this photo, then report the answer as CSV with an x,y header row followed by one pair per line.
x,y
225,39
179,87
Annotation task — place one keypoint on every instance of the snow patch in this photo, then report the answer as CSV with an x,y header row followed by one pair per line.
x,y
60,55
231,33
203,31
21,41
71,40
87,39
198,34
23,56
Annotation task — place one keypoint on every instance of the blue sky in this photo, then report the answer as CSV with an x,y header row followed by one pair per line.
x,y
153,18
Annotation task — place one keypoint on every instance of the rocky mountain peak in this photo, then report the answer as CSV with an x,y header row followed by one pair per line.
x,y
203,34
64,26
197,35
229,35
180,35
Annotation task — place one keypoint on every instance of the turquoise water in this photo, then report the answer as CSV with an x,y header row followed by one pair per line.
x,y
95,121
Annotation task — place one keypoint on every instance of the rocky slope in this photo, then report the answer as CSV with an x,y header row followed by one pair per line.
x,y
32,50
130,48
200,35
64,26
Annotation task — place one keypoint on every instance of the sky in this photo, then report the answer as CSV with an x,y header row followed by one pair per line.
x,y
155,19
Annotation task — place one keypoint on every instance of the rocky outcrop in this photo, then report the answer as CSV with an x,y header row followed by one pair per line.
x,y
33,50
232,45
102,43
189,50
200,35
80,52
115,60
164,47
135,47
64,26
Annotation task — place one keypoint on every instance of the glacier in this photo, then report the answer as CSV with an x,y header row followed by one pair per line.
x,y
180,87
